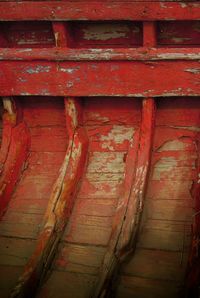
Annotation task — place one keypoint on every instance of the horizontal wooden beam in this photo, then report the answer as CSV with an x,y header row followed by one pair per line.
x,y
66,54
98,10
107,78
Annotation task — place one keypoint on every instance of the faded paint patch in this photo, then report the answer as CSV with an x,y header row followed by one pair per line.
x,y
106,31
164,166
117,135
174,145
38,69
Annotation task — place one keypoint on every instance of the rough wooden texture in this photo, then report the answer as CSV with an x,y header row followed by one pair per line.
x,y
87,234
130,204
90,78
21,223
164,237
131,54
59,205
99,10
16,143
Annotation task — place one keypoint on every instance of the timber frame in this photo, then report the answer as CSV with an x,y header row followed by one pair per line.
x,y
54,72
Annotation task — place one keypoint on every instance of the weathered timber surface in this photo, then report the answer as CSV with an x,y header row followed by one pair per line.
x,y
130,205
91,78
111,127
20,224
99,10
130,54
158,265
59,205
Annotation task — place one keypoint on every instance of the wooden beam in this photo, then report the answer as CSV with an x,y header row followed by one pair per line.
x,y
60,204
144,79
13,153
130,206
122,54
98,10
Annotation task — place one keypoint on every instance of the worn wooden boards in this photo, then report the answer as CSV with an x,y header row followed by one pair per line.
x,y
161,253
86,236
20,225
99,10
91,78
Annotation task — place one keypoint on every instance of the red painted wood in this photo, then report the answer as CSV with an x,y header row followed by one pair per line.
x,y
178,33
98,10
106,34
91,78
26,34
149,34
60,203
130,54
17,154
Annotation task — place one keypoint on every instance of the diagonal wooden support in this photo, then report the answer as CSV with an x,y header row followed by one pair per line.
x,y
60,203
14,150
130,206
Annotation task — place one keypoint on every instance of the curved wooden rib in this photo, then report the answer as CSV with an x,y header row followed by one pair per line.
x,y
130,206
13,153
59,206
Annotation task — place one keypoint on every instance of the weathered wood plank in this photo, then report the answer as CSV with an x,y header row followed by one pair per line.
x,y
60,203
169,265
130,204
78,285
98,190
88,256
134,287
50,10
144,79
110,137
87,234
15,252
66,54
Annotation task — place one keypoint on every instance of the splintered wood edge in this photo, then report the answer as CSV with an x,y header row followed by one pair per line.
x,y
130,207
60,204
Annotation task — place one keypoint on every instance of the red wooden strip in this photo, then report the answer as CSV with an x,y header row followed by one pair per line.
x,y
98,10
92,79
131,54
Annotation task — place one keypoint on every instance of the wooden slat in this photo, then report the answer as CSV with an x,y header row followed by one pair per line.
x,y
98,10
144,79
131,54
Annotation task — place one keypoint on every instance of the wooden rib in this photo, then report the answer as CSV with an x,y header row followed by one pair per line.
x,y
130,206
98,10
66,54
13,153
59,206
149,34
